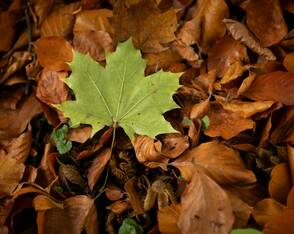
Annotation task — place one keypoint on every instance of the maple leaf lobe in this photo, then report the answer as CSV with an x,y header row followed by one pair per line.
x,y
120,94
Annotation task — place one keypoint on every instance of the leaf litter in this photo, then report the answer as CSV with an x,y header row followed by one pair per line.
x,y
146,116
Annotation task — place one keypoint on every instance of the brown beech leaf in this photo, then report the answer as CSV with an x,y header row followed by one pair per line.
x,y
41,9
206,25
134,196
8,19
11,172
244,109
119,206
281,223
186,52
173,144
57,57
92,33
241,209
162,60
266,209
205,208
235,70
167,218
218,161
80,134
19,148
10,97
290,199
97,167
272,87
148,151
149,28
226,123
50,88
265,19
199,110
79,213
288,62
60,22
113,193
246,83
280,183
241,33
14,122
70,173
224,52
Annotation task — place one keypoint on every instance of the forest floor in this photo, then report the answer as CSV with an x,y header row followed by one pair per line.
x,y
204,144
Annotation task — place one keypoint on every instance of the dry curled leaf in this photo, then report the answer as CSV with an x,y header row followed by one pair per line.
x,y
206,25
11,172
280,184
97,167
167,218
60,22
158,27
281,223
224,52
272,87
265,209
220,162
288,62
50,88
226,123
28,108
205,208
265,19
241,33
57,57
92,32
70,173
79,213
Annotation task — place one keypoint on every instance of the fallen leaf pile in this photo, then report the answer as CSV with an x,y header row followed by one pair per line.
x,y
146,116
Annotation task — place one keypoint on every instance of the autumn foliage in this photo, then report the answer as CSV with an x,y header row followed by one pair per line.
x,y
229,163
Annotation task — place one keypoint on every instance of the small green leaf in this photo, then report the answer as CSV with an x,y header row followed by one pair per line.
x,y
205,122
119,94
246,231
130,226
59,136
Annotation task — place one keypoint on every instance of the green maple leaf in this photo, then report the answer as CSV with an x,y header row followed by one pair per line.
x,y
120,94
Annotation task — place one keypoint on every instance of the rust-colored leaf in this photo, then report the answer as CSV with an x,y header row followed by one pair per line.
x,y
119,206
244,109
97,167
51,89
241,33
265,19
79,213
266,209
11,172
80,134
57,57
92,33
205,208
272,87
167,218
20,117
206,25
280,184
220,162
288,62
281,223
158,28
134,196
60,22
224,52
226,123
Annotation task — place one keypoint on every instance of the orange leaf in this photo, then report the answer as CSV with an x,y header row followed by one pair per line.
x,y
57,56
281,223
167,219
205,208
220,162
272,87
206,26
288,62
97,167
